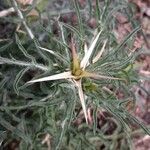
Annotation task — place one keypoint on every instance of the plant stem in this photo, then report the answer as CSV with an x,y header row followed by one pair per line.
x,y
23,19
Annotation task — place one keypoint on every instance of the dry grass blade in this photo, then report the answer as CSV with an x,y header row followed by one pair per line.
x,y
57,55
87,55
85,48
64,75
97,57
48,50
6,12
82,99
97,76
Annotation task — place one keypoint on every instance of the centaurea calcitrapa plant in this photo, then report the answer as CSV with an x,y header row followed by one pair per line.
x,y
77,71
65,97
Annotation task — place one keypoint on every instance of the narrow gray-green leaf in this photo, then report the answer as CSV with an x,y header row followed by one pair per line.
x,y
18,78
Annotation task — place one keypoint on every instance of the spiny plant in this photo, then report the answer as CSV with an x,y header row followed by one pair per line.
x,y
78,71
79,63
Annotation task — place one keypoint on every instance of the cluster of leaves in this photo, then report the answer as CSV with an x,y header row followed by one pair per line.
x,y
49,114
